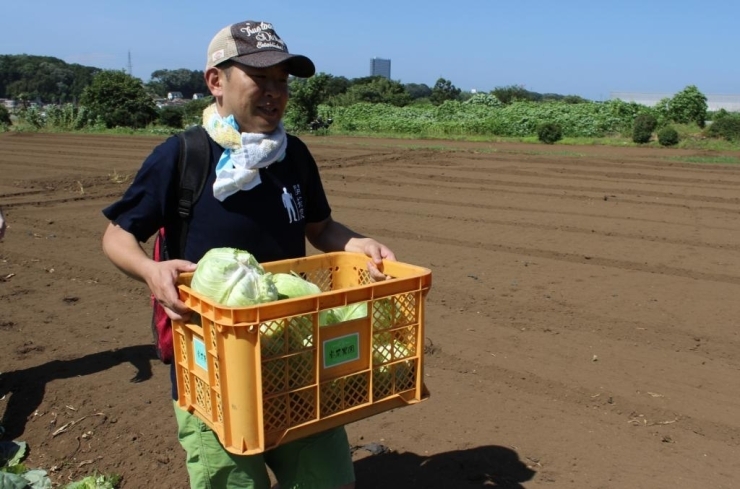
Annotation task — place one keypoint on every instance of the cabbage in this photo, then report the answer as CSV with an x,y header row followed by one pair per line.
x,y
290,285
401,372
345,313
384,353
233,278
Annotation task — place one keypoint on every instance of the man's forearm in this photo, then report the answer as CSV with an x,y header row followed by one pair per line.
x,y
335,236
125,252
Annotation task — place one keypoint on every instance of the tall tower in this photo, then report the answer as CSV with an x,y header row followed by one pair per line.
x,y
130,66
380,67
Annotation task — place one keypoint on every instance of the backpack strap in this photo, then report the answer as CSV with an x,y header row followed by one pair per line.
x,y
192,168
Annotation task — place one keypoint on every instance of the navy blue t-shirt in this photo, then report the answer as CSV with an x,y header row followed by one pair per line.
x,y
260,221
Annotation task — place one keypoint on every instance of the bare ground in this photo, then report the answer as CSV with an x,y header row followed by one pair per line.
x,y
582,325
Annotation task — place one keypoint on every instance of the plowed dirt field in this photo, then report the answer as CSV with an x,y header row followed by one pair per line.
x,y
582,326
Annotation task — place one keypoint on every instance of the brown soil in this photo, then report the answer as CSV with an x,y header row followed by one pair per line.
x,y
582,323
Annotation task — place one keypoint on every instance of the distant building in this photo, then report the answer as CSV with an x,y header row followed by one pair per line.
x,y
380,67
174,95
197,96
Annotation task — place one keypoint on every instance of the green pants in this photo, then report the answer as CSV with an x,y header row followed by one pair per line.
x,y
321,461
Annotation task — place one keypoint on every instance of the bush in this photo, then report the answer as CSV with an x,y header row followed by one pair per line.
x,y
4,116
67,117
688,105
725,126
643,127
171,117
550,133
668,136
118,99
192,112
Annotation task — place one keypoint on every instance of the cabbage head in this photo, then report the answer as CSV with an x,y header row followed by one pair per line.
x,y
290,286
345,313
233,278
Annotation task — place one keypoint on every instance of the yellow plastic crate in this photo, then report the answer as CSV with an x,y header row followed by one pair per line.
x,y
264,375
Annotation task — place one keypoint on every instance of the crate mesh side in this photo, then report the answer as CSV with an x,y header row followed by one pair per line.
x,y
363,276
288,373
301,372
300,329
302,406
183,360
321,277
217,386
346,392
406,312
404,375
393,379
274,376
203,395
275,413
291,409
272,338
209,331
394,311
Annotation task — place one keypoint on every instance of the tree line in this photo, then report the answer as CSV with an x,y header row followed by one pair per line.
x,y
45,79
109,98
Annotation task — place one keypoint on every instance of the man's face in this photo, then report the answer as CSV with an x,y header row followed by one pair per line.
x,y
256,97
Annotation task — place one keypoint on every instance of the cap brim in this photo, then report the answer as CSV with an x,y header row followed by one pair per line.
x,y
297,64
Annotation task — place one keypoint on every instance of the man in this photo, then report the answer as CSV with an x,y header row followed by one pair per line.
x,y
244,205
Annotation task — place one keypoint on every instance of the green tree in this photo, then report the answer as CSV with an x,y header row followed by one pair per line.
x,y
514,93
550,133
4,116
118,99
726,125
643,127
668,136
181,80
688,105
192,111
336,85
418,90
42,78
305,96
487,99
374,89
171,117
444,90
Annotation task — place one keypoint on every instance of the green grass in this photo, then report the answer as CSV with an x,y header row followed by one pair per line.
x,y
690,138
708,160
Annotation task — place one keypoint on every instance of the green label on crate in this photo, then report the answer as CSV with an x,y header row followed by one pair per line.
x,y
341,350
199,350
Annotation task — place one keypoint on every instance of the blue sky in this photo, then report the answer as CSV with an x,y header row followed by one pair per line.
x,y
577,47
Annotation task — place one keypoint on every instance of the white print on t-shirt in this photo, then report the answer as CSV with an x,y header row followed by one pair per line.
x,y
298,201
289,203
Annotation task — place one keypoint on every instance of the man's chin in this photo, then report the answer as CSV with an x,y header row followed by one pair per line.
x,y
266,125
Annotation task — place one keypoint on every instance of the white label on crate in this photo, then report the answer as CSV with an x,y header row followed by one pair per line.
x,y
199,350
341,350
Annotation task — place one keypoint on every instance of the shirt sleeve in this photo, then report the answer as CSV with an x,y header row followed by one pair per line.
x,y
143,208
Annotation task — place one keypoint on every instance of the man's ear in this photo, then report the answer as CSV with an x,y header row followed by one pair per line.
x,y
214,80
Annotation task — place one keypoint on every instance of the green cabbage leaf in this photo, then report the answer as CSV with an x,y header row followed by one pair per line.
x,y
233,278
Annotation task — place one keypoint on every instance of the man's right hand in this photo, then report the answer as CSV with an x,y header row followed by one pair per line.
x,y
162,281
122,248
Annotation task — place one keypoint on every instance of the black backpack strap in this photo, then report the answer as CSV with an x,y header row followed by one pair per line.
x,y
192,167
